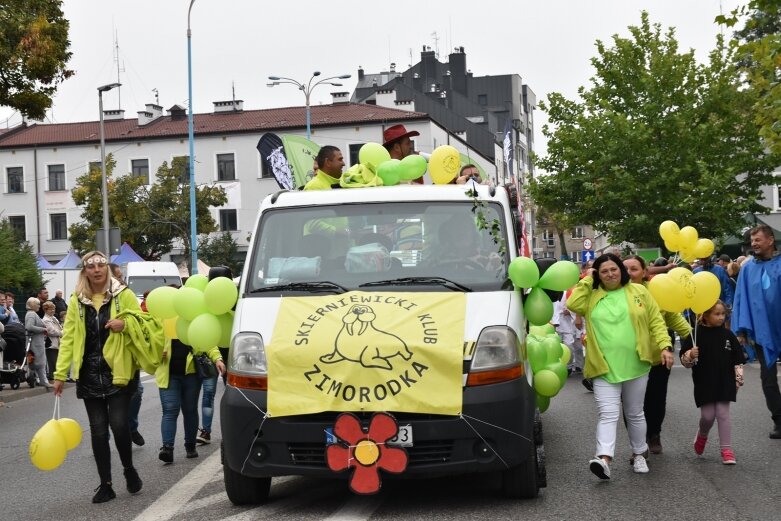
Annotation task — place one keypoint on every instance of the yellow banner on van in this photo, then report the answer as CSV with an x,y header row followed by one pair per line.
x,y
367,351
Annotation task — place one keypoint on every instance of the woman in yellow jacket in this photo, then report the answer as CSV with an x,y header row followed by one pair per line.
x,y
627,336
180,387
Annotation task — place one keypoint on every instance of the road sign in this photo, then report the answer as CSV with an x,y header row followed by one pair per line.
x,y
587,244
588,255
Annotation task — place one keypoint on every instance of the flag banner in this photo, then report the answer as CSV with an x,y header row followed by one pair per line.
x,y
363,351
507,143
300,154
272,154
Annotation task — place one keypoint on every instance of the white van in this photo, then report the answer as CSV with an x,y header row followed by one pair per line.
x,y
148,275
373,302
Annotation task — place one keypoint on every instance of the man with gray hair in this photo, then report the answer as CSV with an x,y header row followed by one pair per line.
x,y
59,303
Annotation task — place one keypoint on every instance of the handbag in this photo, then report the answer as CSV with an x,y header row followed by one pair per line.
x,y
204,367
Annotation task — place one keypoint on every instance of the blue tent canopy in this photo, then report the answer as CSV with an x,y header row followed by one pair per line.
x,y
43,264
70,261
126,254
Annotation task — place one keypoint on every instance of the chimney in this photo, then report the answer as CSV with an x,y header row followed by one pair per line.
x,y
177,112
151,113
360,73
428,66
228,106
113,115
457,61
393,67
339,97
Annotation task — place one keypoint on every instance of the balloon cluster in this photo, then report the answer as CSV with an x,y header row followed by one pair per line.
x,y
679,289
685,241
548,358
559,276
52,442
392,171
199,313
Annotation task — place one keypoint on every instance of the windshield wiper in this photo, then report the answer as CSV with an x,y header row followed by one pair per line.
x,y
321,285
418,281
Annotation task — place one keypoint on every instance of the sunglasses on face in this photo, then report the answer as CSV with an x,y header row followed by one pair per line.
x,y
96,261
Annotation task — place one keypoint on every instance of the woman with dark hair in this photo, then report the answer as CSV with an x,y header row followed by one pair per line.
x,y
626,336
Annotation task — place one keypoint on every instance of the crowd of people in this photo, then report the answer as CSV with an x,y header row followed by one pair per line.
x,y
629,346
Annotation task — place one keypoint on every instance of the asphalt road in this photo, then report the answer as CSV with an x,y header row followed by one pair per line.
x,y
679,486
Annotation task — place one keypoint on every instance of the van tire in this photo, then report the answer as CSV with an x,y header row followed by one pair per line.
x,y
243,490
537,428
521,482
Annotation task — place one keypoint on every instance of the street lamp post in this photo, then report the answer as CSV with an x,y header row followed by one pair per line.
x,y
307,89
103,181
193,237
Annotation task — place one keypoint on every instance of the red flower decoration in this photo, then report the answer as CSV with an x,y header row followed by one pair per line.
x,y
366,452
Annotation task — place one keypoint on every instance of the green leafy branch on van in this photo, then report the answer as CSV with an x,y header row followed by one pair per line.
x,y
494,226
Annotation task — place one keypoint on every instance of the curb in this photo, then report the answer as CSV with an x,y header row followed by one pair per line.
x,y
8,395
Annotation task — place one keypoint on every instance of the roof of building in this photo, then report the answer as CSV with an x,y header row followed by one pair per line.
x,y
205,124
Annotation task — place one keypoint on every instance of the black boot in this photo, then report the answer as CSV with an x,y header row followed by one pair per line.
x,y
775,434
134,482
166,454
104,493
190,449
136,437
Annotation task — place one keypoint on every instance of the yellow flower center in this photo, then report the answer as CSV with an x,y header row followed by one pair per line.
x,y
367,452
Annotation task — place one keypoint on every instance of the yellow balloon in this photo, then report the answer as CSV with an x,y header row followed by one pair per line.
x,y
47,448
671,244
71,430
444,164
706,291
669,232
688,237
169,327
683,279
666,292
566,354
687,255
704,248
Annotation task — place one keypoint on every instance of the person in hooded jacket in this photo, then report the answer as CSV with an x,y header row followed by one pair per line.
x,y
91,320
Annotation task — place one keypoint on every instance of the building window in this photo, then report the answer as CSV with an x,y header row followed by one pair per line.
x,y
355,148
18,226
226,169
482,99
577,256
228,222
56,178
59,224
547,255
548,237
778,193
577,232
94,165
140,168
183,162
15,180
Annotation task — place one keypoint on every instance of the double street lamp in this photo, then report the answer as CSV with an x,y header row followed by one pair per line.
x,y
103,182
307,89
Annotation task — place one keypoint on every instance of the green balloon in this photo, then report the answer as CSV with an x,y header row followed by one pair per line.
x,y
538,308
547,383
197,281
552,350
204,332
561,276
542,330
536,355
543,402
372,155
412,167
566,354
560,370
523,272
390,172
182,327
554,336
226,328
160,302
189,303
220,295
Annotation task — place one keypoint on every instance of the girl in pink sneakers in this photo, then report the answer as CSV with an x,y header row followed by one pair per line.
x,y
716,360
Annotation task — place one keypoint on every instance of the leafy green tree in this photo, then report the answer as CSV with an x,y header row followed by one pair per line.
x,y
657,136
34,53
20,271
221,250
151,218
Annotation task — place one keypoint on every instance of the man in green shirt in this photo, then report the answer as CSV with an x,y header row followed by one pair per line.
x,y
330,162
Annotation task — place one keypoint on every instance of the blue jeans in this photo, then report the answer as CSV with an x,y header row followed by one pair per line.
x,y
207,402
135,407
182,394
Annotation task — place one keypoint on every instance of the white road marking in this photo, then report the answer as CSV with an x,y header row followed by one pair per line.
x,y
273,507
357,508
170,503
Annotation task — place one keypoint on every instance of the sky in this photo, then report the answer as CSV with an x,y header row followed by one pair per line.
x,y
239,43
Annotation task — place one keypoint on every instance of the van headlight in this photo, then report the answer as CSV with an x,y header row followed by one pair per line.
x,y
248,354
497,357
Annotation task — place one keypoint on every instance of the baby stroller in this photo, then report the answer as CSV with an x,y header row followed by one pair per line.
x,y
14,365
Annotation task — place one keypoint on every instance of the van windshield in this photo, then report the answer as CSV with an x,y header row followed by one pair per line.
x,y
141,284
378,245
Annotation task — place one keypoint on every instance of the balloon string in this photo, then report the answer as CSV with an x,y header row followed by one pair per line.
x,y
56,407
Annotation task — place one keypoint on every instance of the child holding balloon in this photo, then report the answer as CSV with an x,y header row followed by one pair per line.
x,y
716,359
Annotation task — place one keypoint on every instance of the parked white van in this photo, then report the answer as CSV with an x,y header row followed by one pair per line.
x,y
146,276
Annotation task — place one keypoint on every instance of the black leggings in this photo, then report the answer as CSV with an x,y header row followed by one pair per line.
x,y
102,412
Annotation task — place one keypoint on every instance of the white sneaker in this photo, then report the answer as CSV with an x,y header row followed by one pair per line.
x,y
640,466
600,468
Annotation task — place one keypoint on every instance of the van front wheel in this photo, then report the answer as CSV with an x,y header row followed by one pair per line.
x,y
521,482
243,490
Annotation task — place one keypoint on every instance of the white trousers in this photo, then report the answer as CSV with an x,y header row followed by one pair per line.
x,y
609,398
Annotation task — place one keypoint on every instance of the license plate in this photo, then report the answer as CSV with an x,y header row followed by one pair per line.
x,y
402,439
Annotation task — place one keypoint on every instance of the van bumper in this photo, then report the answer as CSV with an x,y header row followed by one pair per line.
x,y
494,433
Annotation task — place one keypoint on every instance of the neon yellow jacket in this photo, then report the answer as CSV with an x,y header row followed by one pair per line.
x,y
163,373
140,345
650,329
321,181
